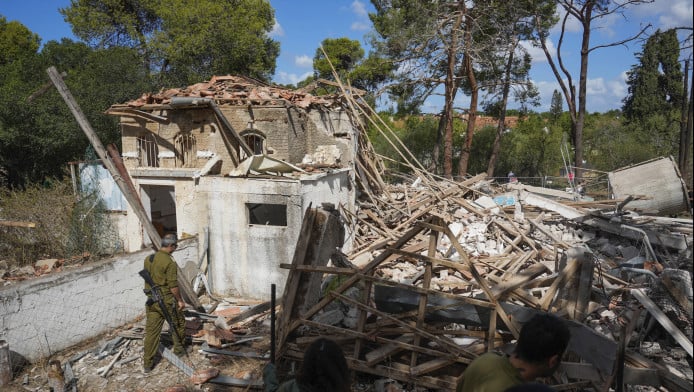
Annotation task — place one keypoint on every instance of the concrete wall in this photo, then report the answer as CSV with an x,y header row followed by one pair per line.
x,y
659,183
244,257
41,316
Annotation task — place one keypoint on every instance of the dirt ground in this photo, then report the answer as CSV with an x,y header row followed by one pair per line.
x,y
127,373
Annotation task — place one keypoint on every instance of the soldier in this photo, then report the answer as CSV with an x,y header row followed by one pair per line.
x,y
541,344
163,269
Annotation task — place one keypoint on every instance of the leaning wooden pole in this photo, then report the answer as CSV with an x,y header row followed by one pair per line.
x,y
132,199
122,182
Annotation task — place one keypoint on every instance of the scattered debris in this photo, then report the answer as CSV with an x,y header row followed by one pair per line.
x,y
446,273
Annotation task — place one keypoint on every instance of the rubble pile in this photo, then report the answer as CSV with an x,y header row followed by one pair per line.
x,y
443,271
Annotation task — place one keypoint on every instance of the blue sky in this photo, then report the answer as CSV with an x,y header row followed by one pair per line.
x,y
303,24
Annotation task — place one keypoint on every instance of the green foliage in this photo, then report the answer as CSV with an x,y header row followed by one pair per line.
x,y
556,108
532,149
610,144
653,105
406,32
16,41
180,43
347,57
655,83
343,54
417,133
38,133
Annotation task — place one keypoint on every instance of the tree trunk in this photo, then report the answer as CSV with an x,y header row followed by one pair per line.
x,y
688,143
450,88
582,83
436,153
502,115
472,112
683,150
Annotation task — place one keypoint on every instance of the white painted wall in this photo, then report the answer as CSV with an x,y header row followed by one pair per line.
x,y
41,316
244,258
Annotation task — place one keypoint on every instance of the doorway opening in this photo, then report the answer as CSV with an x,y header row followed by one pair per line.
x,y
160,203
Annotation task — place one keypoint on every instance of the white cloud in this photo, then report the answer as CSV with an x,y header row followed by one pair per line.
x,y
360,26
546,89
601,95
277,30
618,87
680,15
291,78
670,13
595,86
303,61
536,53
362,15
359,9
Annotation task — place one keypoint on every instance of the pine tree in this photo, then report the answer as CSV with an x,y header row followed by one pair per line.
x,y
557,106
655,83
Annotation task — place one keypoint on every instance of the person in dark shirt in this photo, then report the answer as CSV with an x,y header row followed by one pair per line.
x,y
324,369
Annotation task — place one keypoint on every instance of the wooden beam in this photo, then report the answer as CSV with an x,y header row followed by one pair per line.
x,y
29,225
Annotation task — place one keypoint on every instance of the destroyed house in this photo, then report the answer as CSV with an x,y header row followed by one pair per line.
x,y
239,160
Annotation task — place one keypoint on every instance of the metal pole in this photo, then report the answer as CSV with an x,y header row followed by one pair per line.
x,y
272,323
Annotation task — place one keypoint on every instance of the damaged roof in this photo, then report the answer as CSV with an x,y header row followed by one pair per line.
x,y
237,90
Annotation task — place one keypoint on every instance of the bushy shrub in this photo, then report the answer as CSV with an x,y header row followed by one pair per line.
x,y
64,225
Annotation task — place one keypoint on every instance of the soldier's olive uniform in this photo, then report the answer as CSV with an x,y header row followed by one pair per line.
x,y
163,270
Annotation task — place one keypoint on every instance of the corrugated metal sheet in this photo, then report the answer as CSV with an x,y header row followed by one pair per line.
x,y
658,181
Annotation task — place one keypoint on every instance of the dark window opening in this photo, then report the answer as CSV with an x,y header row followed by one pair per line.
x,y
267,214
148,151
255,141
185,150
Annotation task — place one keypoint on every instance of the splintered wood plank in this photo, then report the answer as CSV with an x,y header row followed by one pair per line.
x,y
519,280
377,339
292,285
537,222
491,332
356,277
480,281
426,281
513,268
441,341
448,383
432,260
430,366
17,224
564,276
361,321
375,356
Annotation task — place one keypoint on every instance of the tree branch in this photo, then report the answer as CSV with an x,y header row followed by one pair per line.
x,y
622,42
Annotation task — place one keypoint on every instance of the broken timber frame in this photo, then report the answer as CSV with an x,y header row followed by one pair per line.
x,y
123,183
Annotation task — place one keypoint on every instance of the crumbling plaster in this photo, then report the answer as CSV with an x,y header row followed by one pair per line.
x,y
290,133
49,313
245,258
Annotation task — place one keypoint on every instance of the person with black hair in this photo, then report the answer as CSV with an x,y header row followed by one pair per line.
x,y
324,369
540,346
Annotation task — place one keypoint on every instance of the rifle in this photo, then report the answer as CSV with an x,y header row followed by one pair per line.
x,y
157,297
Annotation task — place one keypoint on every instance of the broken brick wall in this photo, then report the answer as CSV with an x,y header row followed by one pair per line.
x,y
290,134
